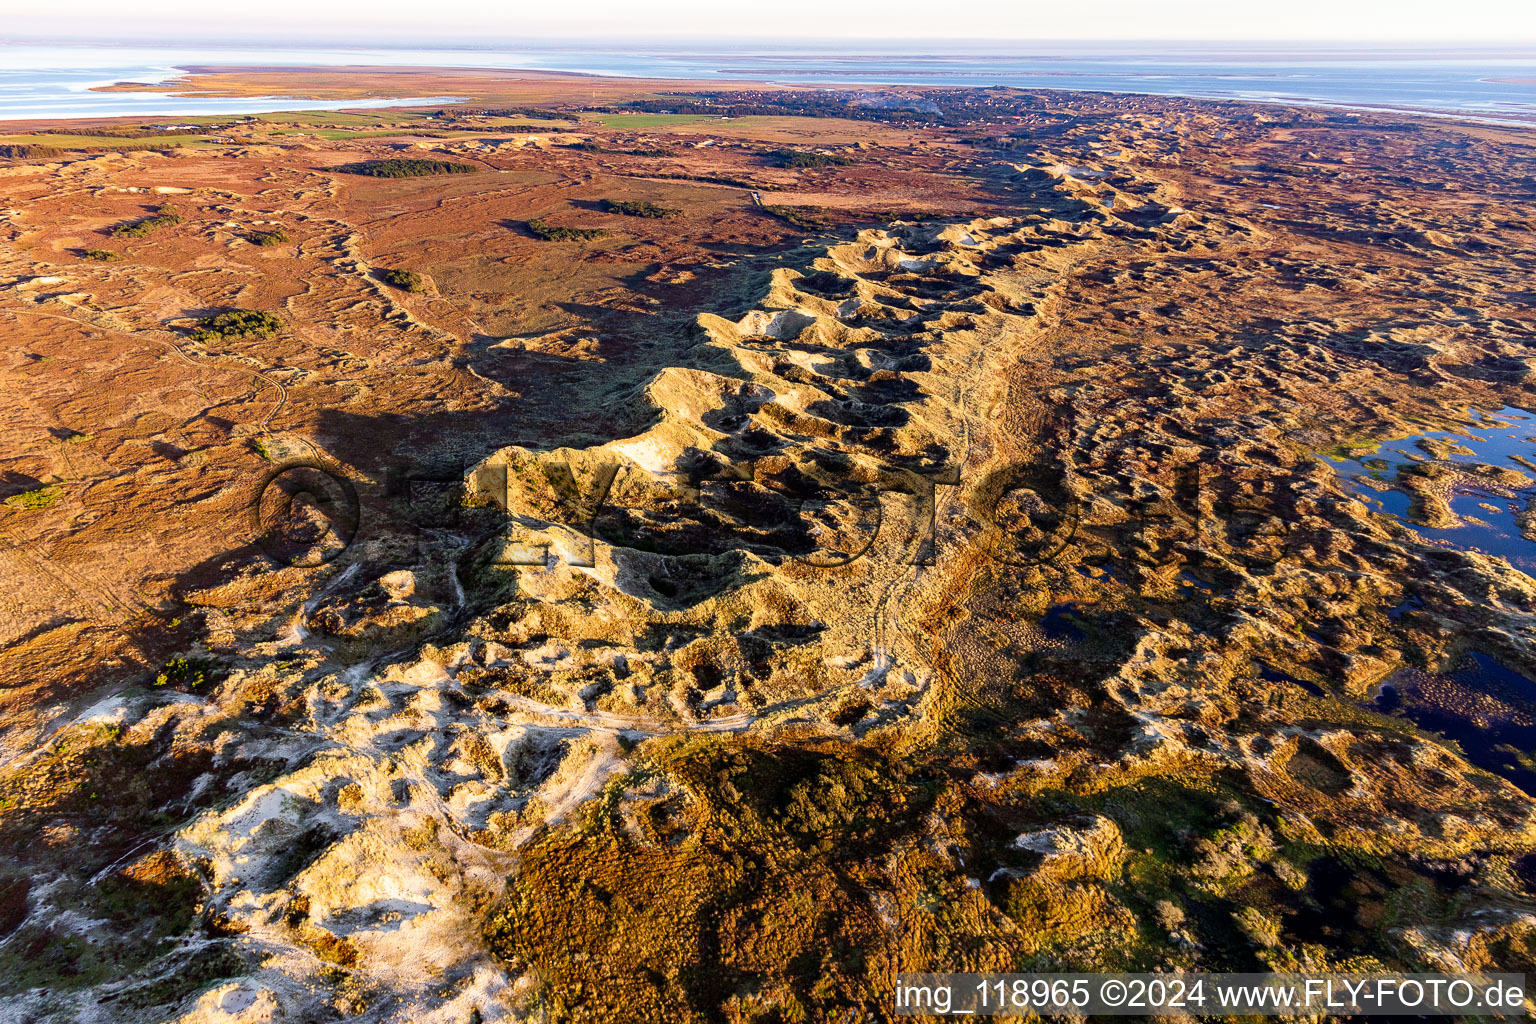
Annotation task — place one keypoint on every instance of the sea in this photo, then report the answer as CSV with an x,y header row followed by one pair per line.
x,y
56,81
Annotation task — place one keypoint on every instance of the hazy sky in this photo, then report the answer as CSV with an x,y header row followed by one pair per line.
x,y
470,21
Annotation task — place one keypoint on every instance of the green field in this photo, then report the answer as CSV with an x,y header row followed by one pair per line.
x,y
648,120
335,118
101,141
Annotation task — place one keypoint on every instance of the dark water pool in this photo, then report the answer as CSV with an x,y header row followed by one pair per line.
x,y
1501,438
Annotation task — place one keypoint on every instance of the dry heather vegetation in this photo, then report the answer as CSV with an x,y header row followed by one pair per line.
x,y
746,607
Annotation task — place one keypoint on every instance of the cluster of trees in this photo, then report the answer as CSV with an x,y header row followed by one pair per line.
x,y
533,113
551,233
277,236
29,151
800,158
237,323
639,208
165,217
397,167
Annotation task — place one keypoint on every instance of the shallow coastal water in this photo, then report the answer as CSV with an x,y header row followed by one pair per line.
x,y
54,81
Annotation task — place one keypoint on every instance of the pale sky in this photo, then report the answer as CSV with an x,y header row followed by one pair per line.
x,y
1508,22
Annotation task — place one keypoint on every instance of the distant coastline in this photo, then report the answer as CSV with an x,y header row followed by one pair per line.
x,y
59,82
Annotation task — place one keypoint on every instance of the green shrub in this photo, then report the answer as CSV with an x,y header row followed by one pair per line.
x,y
587,147
405,280
550,233
653,152
401,168
37,498
192,675
101,255
165,217
638,208
798,158
264,238
235,324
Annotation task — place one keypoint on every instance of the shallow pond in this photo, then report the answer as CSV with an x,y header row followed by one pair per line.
x,y
1506,438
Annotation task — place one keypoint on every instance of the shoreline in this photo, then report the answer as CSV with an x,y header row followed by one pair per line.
x,y
269,86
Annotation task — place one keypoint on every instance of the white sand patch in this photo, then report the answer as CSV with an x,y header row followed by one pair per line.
x,y
648,453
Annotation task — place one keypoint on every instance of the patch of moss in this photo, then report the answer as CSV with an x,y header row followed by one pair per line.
x,y
37,498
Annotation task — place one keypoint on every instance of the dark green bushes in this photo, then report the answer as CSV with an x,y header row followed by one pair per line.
x,y
265,238
405,280
798,158
235,324
164,217
551,233
639,208
402,168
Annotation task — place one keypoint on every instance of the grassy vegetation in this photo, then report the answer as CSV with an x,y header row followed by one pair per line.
x,y
749,878
639,208
551,233
587,147
100,255
136,132
712,179
323,117
235,324
89,781
800,158
535,113
653,152
648,120
803,217
37,498
277,236
405,280
65,142
402,168
165,217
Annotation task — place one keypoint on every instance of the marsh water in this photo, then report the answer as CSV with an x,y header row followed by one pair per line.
x,y
1489,524
1505,438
